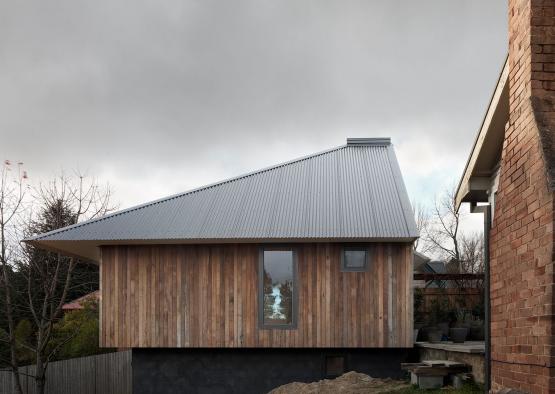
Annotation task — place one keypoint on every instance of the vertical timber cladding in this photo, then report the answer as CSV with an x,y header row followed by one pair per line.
x,y
207,296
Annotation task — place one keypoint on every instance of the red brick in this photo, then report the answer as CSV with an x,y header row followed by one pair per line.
x,y
521,240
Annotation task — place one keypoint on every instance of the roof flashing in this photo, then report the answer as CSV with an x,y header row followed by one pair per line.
x,y
378,141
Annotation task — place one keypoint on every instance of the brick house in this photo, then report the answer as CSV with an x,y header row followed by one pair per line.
x,y
511,167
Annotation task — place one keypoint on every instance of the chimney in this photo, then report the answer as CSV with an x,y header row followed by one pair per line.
x,y
521,239
532,71
369,141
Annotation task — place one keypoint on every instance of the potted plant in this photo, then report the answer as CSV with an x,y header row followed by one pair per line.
x,y
418,315
439,319
477,332
459,331
435,333
440,312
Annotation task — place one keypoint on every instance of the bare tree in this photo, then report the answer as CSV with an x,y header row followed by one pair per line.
x,y
12,206
62,202
422,220
472,246
472,261
442,237
442,234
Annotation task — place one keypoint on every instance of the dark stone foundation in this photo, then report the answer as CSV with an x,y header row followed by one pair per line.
x,y
214,371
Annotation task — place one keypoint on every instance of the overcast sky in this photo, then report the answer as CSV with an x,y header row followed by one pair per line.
x,y
158,97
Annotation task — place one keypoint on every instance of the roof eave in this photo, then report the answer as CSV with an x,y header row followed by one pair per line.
x,y
471,187
89,250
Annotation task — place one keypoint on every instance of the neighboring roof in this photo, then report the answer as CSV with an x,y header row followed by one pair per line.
x,y
78,303
486,151
436,267
419,261
354,192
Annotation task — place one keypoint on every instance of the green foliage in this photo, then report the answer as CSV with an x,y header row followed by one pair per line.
x,y
4,349
76,335
478,310
24,336
439,310
55,214
40,266
23,330
418,304
20,309
461,315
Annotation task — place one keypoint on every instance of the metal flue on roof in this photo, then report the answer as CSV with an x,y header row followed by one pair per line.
x,y
352,192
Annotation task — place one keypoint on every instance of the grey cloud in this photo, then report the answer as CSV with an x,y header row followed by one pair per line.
x,y
180,92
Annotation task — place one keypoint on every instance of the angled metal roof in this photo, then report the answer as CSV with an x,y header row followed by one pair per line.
x,y
352,192
436,267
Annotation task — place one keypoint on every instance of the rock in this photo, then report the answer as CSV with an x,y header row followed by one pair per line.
x,y
349,383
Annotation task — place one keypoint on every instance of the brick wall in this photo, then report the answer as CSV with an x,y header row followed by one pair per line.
x,y
521,240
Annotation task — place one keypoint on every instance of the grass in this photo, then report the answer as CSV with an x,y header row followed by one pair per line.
x,y
467,388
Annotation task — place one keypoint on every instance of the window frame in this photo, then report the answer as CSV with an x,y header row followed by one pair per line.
x,y
367,260
295,306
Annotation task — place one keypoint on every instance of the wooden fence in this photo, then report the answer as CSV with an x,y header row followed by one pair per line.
x,y
460,298
108,373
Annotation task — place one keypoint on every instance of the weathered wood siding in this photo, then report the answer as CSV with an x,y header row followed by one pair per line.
x,y
207,296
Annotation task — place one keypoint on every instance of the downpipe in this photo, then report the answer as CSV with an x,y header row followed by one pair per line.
x,y
486,210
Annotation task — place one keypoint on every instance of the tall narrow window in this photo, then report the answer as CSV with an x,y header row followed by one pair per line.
x,y
278,288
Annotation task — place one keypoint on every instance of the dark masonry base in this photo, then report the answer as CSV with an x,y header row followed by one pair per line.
x,y
245,371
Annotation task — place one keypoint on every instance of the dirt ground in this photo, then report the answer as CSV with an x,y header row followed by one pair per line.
x,y
349,383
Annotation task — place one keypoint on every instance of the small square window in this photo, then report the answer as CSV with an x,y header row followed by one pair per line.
x,y
335,366
354,259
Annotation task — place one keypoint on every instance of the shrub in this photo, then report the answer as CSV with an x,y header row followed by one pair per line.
x,y
76,334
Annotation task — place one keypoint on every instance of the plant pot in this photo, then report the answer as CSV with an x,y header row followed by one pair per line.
x,y
420,332
423,334
465,325
434,335
444,327
458,334
418,325
477,333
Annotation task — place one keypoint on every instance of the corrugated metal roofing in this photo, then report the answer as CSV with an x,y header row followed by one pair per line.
x,y
353,191
436,267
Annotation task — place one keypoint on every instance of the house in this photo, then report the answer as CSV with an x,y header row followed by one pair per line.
x,y
434,267
78,303
423,264
291,273
420,260
510,177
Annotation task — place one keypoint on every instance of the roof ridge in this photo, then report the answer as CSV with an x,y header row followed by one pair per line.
x,y
185,193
